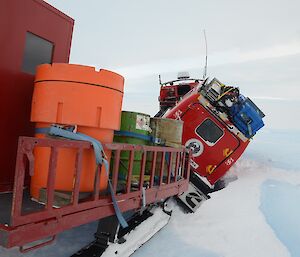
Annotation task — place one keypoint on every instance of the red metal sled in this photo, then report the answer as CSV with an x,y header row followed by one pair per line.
x,y
30,221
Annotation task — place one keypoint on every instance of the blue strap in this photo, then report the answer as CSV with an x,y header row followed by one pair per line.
x,y
100,159
42,130
133,134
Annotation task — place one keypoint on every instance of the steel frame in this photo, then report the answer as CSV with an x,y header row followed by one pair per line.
x,y
27,228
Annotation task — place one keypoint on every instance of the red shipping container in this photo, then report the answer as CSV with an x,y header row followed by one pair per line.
x,y
32,33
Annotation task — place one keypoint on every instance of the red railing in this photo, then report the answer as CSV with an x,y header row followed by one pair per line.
x,y
168,176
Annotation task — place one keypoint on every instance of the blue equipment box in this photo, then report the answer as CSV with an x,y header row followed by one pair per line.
x,y
246,116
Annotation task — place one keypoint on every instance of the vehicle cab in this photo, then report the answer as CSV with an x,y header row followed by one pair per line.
x,y
218,125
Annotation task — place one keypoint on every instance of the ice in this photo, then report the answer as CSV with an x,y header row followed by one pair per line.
x,y
280,205
168,243
256,215
278,148
230,224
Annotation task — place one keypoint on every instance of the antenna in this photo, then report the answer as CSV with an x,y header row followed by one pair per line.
x,y
205,67
159,78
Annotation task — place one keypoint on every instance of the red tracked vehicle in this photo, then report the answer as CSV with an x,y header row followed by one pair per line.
x,y
218,125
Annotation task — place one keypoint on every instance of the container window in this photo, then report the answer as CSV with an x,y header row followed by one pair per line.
x,y
209,132
37,51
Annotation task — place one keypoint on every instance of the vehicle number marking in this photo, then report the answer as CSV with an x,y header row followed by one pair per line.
x,y
229,161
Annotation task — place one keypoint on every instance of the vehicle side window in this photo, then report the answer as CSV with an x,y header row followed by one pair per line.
x,y
209,131
37,51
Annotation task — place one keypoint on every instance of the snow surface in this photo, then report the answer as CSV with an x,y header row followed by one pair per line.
x,y
230,224
254,216
141,234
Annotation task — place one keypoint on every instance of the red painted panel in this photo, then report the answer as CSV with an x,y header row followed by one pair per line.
x,y
17,17
212,154
213,159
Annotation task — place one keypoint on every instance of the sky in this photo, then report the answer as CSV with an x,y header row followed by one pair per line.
x,y
254,45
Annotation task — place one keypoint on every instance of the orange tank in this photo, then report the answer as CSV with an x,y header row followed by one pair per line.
x,y
74,95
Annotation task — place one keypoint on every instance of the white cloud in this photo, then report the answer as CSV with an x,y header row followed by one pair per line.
x,y
214,59
275,51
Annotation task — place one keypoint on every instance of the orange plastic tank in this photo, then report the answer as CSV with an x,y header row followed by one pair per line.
x,y
70,94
